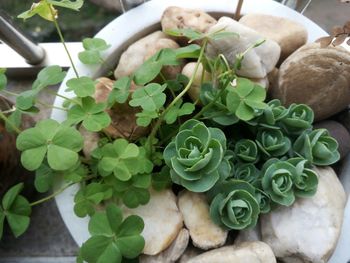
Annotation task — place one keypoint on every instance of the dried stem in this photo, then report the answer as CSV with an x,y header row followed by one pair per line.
x,y
238,10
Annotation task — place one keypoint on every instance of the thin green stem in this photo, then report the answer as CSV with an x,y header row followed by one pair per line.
x,y
179,96
6,120
40,201
51,106
58,29
10,93
63,97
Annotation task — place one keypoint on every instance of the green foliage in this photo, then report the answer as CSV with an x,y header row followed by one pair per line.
x,y
161,180
89,196
272,143
277,182
93,49
300,118
246,151
16,210
191,34
58,143
245,99
190,51
120,92
178,110
218,112
272,115
92,115
43,9
149,98
247,172
195,156
234,206
263,200
124,160
74,5
112,237
3,79
318,147
82,87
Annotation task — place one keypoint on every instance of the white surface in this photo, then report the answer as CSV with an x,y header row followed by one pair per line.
x,y
132,23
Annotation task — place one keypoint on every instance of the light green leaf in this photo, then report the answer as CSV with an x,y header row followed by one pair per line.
x,y
49,76
74,5
42,9
3,79
120,92
82,87
150,97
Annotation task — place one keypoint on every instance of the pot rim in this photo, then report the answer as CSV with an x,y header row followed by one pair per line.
x,y
119,36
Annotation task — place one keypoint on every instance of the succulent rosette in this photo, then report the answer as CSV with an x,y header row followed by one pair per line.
x,y
196,156
263,200
318,147
306,180
234,205
246,151
277,182
299,118
272,143
247,172
273,114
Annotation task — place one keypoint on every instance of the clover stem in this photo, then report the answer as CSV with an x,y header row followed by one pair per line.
x,y
10,93
206,107
47,198
6,120
179,96
51,106
63,97
58,29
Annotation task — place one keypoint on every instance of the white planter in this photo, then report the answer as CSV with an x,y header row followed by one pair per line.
x,y
145,19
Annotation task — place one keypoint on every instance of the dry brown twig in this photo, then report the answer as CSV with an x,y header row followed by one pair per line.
x,y
339,36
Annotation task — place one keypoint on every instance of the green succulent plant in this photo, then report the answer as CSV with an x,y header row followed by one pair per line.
x,y
234,205
246,151
272,143
195,156
274,113
299,118
318,147
277,182
247,172
245,99
263,200
306,180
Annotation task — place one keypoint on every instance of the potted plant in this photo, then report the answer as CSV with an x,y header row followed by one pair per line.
x,y
210,133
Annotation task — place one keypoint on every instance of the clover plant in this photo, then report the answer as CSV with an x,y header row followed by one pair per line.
x,y
247,154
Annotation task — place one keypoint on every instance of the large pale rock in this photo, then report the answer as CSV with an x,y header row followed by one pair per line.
x,y
195,211
257,62
318,77
183,18
308,231
289,34
141,50
91,140
248,252
173,252
162,218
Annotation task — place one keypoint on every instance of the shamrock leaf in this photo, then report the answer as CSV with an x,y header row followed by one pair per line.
x,y
16,210
15,119
185,32
59,143
120,92
145,118
82,87
112,237
123,159
190,51
74,5
91,114
151,68
89,196
26,100
49,76
3,79
93,48
149,98
178,110
43,9
245,99
44,178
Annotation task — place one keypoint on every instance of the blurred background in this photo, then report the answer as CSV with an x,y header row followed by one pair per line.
x,y
47,239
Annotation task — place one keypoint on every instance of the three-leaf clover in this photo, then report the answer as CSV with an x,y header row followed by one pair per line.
x,y
245,99
59,143
112,237
93,48
149,98
82,87
120,92
91,114
178,110
16,210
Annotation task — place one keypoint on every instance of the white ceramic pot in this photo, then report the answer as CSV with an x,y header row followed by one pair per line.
x,y
143,20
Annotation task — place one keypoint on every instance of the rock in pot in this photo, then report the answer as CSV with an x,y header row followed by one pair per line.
x,y
195,210
318,77
252,252
289,34
308,231
162,219
257,62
